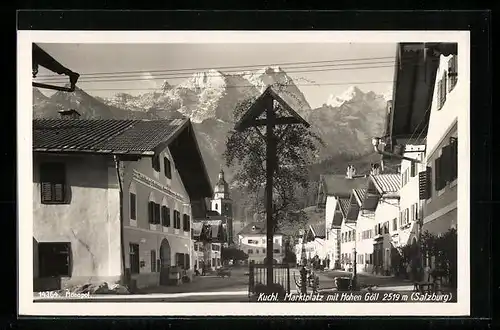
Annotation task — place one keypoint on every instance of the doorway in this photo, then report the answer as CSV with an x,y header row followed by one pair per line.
x,y
165,263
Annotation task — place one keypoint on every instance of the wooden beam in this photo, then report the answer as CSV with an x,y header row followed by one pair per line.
x,y
278,121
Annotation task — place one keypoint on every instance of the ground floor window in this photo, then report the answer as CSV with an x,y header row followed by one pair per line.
x,y
54,259
153,261
134,258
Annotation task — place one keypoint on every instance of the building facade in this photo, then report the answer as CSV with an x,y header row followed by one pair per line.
x,y
114,208
440,196
252,241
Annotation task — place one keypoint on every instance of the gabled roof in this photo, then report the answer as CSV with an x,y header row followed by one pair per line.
x,y
142,138
318,230
339,185
260,229
104,136
344,204
359,194
387,183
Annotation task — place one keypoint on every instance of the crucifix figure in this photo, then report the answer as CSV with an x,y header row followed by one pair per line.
x,y
265,103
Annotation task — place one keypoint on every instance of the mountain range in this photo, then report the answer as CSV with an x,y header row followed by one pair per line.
x,y
345,122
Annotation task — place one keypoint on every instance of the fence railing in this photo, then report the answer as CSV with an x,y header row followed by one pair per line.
x,y
258,275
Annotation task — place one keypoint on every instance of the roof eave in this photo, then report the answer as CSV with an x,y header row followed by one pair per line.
x,y
148,153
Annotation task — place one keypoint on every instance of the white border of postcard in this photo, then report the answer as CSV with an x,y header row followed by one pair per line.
x,y
25,180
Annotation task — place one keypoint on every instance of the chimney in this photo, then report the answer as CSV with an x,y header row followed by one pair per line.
x,y
69,114
351,172
375,170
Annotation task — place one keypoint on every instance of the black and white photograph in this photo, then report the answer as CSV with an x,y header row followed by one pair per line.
x,y
315,171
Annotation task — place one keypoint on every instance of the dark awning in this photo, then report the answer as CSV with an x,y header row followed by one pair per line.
x,y
42,58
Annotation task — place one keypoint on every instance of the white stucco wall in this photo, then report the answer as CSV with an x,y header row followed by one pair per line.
x,y
260,246
90,221
441,120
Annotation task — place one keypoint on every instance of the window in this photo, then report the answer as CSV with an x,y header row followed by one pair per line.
x,y
179,260
134,258
276,251
395,224
264,251
263,241
165,216
452,72
53,183
250,251
415,211
177,219
186,222
187,261
254,241
413,169
153,261
167,167
448,163
441,91
54,259
133,206
437,178
257,251
276,241
386,227
155,163
154,213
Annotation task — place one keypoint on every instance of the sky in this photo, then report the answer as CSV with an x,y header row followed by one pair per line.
x,y
320,70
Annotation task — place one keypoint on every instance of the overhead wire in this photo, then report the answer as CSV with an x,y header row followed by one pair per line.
x,y
166,77
239,67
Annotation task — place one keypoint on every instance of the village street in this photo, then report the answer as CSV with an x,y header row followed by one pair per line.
x,y
211,288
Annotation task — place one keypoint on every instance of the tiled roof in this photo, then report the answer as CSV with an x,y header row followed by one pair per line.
x,y
260,229
111,136
361,193
319,229
339,185
344,204
387,183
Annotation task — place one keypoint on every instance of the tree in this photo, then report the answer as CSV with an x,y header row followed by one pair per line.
x,y
232,253
295,149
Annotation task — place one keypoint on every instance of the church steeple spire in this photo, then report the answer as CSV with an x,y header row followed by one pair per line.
x,y
221,189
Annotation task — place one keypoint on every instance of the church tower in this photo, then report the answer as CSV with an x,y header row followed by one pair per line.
x,y
222,203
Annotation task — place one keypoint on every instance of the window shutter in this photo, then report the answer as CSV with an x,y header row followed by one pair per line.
x,y
132,206
448,163
46,192
454,159
437,167
422,185
452,72
157,214
444,89
150,212
439,96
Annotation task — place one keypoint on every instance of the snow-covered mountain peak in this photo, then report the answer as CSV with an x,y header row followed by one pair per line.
x,y
348,95
205,79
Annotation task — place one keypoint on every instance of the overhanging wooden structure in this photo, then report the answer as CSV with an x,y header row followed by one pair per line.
x,y
42,58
